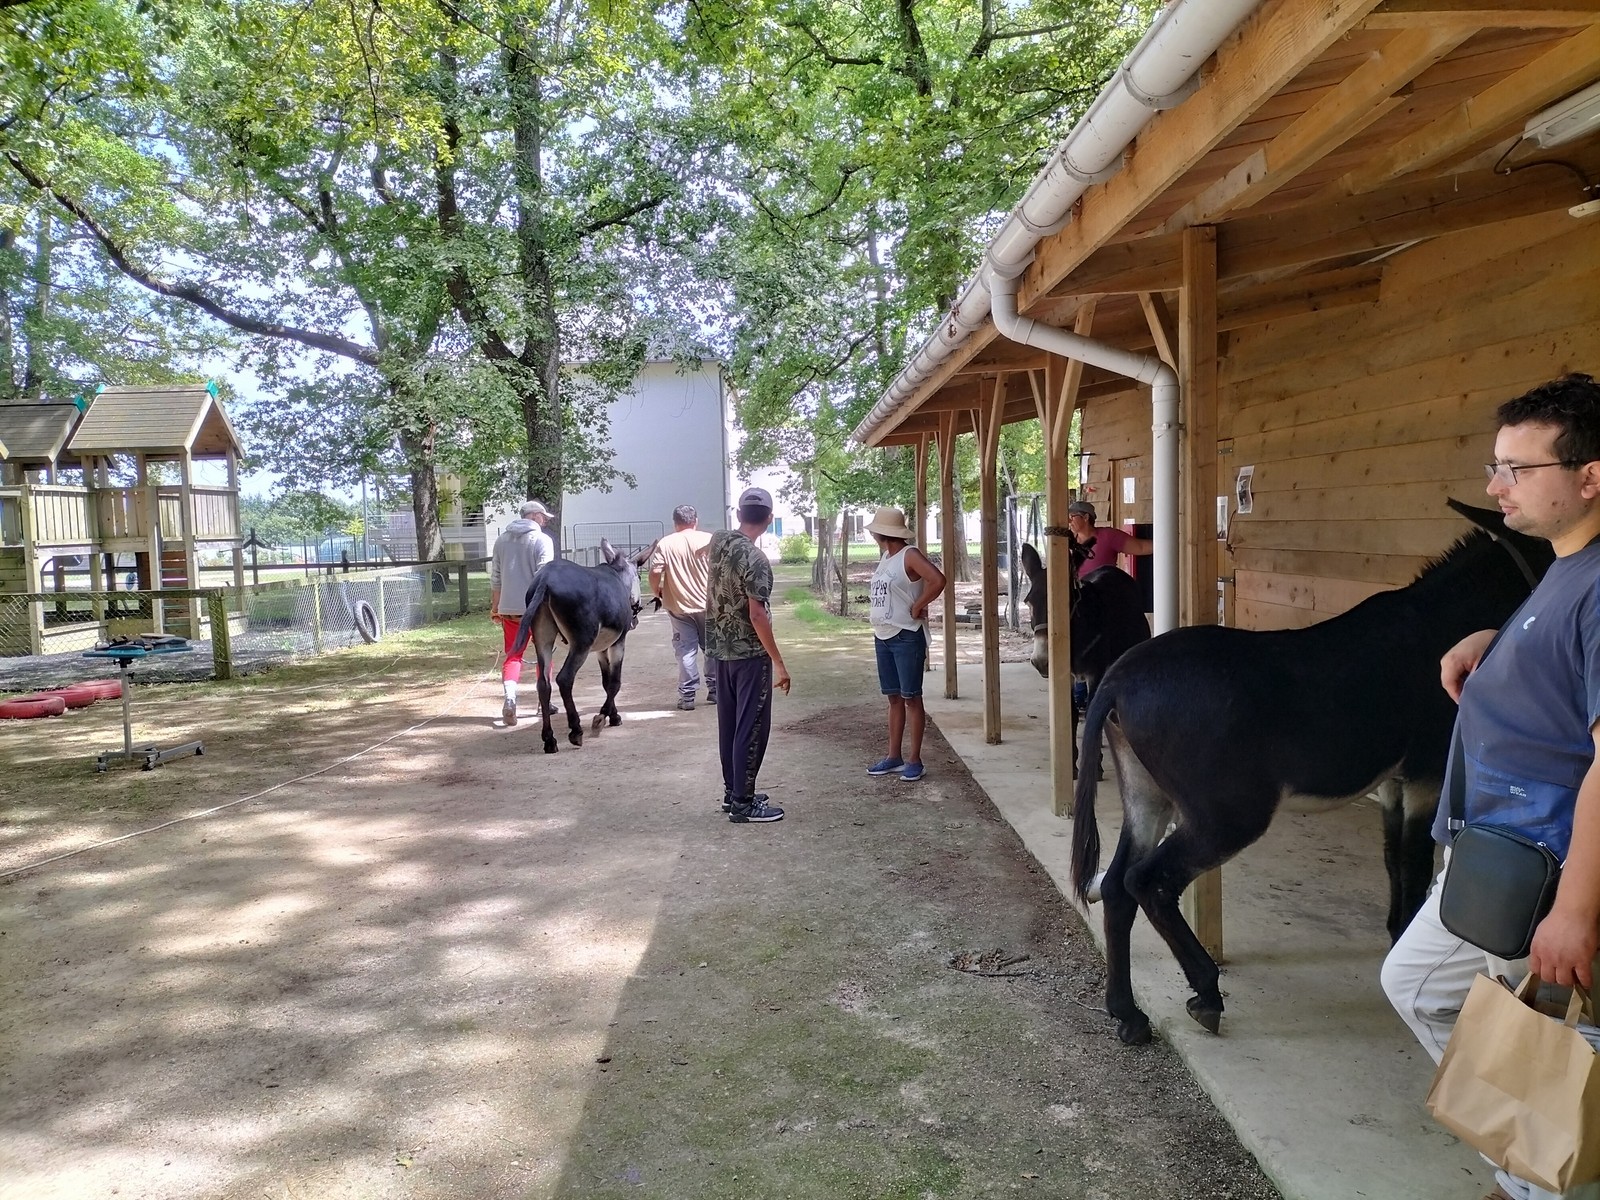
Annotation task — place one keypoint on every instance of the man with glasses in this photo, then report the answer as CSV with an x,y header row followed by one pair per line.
x,y
1529,723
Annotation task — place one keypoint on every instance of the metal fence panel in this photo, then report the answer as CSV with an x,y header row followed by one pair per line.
x,y
269,623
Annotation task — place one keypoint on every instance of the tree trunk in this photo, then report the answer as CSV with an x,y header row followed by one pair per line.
x,y
33,373
539,381
844,561
419,451
963,563
822,567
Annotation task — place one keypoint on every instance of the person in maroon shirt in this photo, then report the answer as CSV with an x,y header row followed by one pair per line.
x,y
1108,540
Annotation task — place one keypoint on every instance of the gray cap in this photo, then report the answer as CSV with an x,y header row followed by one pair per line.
x,y
754,497
532,508
1081,508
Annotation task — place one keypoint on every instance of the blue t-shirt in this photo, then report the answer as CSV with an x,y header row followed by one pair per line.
x,y
1527,710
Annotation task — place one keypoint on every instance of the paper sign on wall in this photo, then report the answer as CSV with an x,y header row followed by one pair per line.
x,y
1129,486
1241,488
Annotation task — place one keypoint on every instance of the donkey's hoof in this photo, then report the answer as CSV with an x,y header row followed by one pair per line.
x,y
1134,1033
549,745
615,719
1209,1016
576,737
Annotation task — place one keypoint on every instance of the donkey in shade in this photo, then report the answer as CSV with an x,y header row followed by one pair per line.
x,y
589,608
1107,619
1213,729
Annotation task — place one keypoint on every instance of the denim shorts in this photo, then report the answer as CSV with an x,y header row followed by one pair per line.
x,y
900,660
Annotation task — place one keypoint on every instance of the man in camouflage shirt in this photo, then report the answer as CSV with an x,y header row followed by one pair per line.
x,y
739,637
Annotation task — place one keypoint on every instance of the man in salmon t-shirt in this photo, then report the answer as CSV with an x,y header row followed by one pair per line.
x,y
678,570
1108,540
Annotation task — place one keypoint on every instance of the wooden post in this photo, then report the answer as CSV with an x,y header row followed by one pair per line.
x,y
1055,406
461,577
221,636
316,615
987,421
947,547
186,530
383,624
1197,372
237,525
152,516
920,521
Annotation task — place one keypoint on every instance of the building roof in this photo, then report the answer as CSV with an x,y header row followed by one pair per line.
x,y
156,420
35,433
1322,140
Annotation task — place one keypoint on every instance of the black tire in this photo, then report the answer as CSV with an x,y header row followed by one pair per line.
x,y
366,621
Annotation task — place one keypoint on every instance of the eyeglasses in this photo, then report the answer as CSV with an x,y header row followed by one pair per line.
x,y
1506,473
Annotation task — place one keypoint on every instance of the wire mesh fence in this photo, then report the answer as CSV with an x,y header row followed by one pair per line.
x,y
233,631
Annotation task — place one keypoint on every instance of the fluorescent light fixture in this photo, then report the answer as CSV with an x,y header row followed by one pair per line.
x,y
1566,121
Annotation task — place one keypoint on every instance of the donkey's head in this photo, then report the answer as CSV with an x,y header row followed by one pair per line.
x,y
627,570
1038,600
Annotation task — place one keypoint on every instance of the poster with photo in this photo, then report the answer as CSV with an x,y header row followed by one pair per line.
x,y
1241,488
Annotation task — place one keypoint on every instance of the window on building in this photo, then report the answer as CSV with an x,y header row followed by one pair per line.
x,y
777,526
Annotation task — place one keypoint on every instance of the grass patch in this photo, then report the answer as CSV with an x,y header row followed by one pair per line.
x,y
811,612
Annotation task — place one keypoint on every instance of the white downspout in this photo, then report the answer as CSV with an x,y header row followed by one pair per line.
x,y
1163,381
1159,73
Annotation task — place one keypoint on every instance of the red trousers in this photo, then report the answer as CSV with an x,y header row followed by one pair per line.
x,y
511,669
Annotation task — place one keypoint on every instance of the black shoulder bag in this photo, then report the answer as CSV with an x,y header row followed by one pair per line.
x,y
1500,885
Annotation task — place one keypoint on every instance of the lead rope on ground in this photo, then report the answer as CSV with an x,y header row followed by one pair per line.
x,y
446,711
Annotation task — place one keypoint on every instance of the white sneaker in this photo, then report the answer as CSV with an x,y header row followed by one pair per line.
x,y
508,711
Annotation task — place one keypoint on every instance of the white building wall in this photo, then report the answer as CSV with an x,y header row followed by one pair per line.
x,y
670,431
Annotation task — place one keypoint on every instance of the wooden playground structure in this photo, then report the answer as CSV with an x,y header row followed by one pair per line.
x,y
131,453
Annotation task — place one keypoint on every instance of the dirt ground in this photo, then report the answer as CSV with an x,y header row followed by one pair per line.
x,y
434,962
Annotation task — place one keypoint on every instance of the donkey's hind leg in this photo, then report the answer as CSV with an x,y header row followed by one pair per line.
x,y
575,659
1146,813
544,651
611,680
1158,886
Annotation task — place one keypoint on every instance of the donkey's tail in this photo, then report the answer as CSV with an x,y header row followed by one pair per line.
x,y
1085,832
530,609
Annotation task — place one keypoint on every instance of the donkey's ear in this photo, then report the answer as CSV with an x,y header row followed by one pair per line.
x,y
606,551
1031,562
1491,520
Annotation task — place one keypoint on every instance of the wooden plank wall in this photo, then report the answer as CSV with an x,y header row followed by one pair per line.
x,y
1361,421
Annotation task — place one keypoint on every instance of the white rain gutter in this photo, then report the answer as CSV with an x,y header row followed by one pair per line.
x,y
1163,381
1160,73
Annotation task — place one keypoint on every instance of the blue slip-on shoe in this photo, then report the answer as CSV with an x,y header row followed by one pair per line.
x,y
886,766
912,772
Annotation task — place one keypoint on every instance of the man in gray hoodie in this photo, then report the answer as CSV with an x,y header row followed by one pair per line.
x,y
520,550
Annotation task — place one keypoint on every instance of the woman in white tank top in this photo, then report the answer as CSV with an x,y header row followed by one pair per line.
x,y
903,586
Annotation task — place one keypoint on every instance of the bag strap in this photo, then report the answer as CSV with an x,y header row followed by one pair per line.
x,y
1579,1003
1458,754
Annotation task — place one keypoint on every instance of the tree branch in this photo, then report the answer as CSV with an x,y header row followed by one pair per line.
x,y
836,60
188,293
620,218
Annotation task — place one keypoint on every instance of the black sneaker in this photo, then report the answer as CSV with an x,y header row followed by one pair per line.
x,y
686,704
760,811
727,800
711,697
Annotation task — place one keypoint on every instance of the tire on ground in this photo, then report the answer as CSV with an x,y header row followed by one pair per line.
x,y
366,621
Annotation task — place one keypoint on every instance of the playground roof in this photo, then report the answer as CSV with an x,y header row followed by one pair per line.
x,y
156,421
35,433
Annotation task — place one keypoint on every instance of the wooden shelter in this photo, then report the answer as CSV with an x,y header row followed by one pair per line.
x,y
1348,251
125,504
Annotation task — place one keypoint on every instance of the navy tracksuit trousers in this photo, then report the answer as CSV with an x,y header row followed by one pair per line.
x,y
744,721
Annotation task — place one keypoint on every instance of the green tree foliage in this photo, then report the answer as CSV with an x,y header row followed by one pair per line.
x,y
882,144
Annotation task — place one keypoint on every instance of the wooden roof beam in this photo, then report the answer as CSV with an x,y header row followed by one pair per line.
x,y
1484,14
1270,49
1334,228
1371,91
1571,65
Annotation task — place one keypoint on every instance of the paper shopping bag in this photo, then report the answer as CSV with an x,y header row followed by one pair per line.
x,y
1521,1087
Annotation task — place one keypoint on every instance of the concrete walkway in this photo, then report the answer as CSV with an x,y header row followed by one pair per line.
x,y
1314,1071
